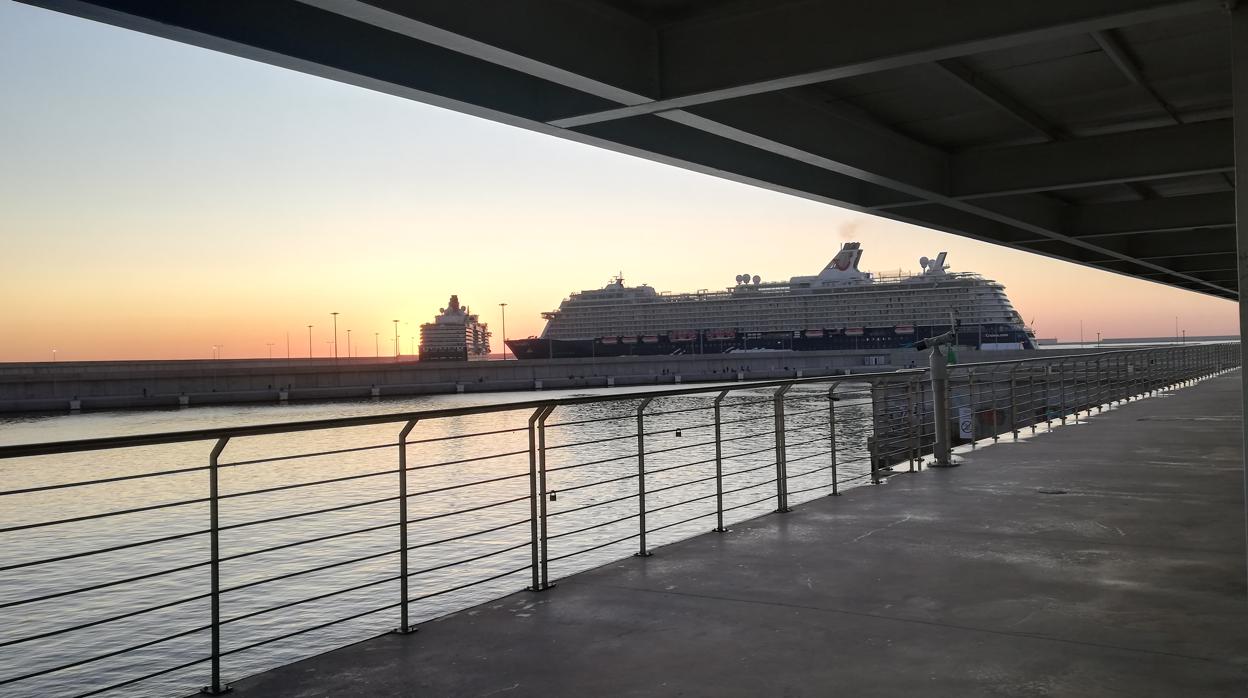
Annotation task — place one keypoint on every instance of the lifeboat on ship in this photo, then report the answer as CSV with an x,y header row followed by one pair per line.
x,y
904,329
853,331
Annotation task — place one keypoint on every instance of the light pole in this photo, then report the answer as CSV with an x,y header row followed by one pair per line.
x,y
270,350
504,307
1098,340
335,336
288,345
396,340
309,341
348,344
377,345
54,355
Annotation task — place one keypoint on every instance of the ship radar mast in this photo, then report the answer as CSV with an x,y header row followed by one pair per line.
x,y
934,266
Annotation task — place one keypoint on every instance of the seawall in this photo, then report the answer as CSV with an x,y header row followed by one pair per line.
x,y
48,386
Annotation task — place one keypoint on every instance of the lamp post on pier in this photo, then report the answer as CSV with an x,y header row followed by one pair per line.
x,y
396,340
335,336
348,344
504,307
309,342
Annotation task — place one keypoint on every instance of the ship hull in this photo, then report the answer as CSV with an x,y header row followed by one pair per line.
x,y
994,336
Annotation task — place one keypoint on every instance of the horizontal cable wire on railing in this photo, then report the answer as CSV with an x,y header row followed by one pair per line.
x,y
101,481
106,655
103,585
145,677
101,551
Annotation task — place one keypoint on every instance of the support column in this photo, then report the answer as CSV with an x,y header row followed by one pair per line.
x,y
1239,92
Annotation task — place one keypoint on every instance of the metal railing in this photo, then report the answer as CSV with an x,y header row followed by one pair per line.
x,y
158,558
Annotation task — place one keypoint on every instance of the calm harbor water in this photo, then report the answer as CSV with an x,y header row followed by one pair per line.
x,y
593,521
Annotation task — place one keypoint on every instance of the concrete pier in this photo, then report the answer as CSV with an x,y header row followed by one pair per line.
x,y
96,385
1105,558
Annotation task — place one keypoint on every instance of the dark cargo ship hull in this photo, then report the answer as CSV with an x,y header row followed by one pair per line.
x,y
663,345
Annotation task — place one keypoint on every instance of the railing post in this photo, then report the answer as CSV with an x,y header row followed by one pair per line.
x,y
216,688
543,534
782,472
1092,372
974,405
1014,401
914,423
940,408
996,428
1031,399
719,468
641,475
535,535
832,437
1061,383
404,625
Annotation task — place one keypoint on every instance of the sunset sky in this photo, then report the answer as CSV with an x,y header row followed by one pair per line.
x,y
157,199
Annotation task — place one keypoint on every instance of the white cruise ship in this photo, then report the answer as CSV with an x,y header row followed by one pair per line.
x,y
454,335
841,307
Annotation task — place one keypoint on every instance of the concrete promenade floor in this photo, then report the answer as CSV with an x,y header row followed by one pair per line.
x,y
970,581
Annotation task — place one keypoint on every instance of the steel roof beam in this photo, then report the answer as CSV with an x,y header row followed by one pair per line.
x,y
1126,65
735,53
1142,248
1159,269
587,46
1172,214
1170,151
1154,216
999,98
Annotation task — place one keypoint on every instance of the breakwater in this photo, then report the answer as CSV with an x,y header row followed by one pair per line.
x,y
49,386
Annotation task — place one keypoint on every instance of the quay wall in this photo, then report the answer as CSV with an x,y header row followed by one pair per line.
x,y
58,386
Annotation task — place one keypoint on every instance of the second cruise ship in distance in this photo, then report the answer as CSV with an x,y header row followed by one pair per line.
x,y
839,308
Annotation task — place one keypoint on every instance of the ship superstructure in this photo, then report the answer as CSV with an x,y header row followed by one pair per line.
x,y
841,307
454,335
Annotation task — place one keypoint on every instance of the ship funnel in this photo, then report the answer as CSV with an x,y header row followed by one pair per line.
x,y
847,259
